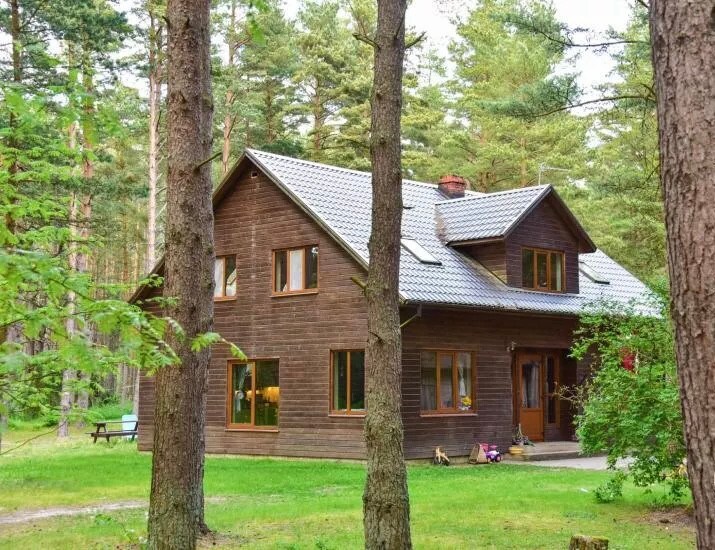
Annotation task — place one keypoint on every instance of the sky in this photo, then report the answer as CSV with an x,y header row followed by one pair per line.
x,y
435,18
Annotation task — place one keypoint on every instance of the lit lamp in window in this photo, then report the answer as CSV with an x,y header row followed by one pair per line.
x,y
271,394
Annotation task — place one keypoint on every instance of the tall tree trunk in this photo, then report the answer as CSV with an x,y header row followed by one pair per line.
x,y
88,131
11,334
135,401
176,508
683,36
69,375
318,122
229,120
386,501
155,81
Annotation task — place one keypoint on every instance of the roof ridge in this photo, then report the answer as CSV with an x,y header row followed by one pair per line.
x,y
350,170
541,187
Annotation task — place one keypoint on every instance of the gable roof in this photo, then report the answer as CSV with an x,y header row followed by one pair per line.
x,y
495,215
339,200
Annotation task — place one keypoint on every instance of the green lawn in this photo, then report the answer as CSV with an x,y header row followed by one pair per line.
x,y
280,503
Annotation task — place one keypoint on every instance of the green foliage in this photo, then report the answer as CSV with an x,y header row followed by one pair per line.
x,y
636,414
625,181
504,73
611,489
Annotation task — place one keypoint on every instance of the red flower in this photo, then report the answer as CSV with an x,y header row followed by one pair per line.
x,y
628,360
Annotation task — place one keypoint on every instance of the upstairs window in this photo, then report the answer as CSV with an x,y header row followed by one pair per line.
x,y
348,382
295,270
225,277
542,270
447,382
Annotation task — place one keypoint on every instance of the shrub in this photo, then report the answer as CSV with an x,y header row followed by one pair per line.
x,y
630,407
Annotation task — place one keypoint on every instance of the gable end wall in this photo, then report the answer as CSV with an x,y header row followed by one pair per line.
x,y
543,228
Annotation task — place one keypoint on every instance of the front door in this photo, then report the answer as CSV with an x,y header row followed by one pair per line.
x,y
530,399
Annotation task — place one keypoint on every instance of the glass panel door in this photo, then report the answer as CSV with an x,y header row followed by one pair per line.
x,y
529,396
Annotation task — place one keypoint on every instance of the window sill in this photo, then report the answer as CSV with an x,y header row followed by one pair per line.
x,y
446,414
225,298
294,293
253,429
346,415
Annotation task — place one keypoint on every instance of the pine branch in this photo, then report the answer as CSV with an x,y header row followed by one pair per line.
x,y
409,44
369,41
588,102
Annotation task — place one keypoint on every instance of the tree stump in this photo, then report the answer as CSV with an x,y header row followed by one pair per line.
x,y
582,542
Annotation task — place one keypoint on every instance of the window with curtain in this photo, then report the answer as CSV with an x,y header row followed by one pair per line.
x,y
254,394
225,277
295,270
542,270
530,374
447,381
348,382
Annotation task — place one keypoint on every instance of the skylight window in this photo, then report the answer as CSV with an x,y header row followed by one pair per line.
x,y
592,274
419,251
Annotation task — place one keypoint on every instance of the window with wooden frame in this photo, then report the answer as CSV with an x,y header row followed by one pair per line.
x,y
295,270
253,394
543,270
225,277
347,382
447,382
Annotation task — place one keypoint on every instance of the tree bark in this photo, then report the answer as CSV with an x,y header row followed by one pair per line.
x,y
229,120
155,80
683,36
69,375
176,508
386,501
85,206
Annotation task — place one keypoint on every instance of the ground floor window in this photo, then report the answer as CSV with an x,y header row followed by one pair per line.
x,y
254,394
447,381
347,395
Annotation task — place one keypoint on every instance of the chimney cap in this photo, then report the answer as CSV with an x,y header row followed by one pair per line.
x,y
452,186
453,178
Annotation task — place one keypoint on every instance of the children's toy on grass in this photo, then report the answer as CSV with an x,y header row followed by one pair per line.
x,y
484,453
440,457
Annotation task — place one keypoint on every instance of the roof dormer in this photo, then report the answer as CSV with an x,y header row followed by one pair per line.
x,y
527,237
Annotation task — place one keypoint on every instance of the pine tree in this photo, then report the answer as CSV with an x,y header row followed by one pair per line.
x,y
685,79
176,507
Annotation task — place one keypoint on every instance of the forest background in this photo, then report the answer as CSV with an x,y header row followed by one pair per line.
x,y
511,97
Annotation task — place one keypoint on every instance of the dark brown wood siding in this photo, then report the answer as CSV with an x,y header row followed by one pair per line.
x,y
491,336
255,218
542,228
251,221
492,256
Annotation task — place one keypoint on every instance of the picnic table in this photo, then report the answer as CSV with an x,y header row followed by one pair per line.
x,y
102,431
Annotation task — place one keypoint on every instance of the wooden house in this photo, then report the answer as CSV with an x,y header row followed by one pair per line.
x,y
491,286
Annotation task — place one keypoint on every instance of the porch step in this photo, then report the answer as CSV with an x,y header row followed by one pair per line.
x,y
549,451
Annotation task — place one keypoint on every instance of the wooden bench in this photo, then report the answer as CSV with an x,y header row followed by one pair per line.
x,y
102,431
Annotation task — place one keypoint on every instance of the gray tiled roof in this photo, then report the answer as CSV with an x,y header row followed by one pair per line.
x,y
485,216
340,200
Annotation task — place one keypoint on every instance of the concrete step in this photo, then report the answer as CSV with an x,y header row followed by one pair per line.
x,y
549,451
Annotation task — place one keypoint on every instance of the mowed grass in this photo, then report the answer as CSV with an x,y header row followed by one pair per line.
x,y
296,504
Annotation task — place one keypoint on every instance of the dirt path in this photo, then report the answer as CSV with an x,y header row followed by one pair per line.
x,y
24,516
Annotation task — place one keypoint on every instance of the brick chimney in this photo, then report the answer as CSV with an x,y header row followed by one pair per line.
x,y
452,186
